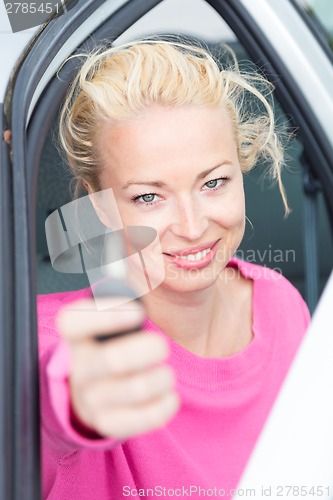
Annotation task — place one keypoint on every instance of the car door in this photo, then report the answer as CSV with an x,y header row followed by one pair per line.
x,y
273,35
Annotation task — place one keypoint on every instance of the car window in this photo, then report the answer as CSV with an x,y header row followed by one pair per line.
x,y
270,239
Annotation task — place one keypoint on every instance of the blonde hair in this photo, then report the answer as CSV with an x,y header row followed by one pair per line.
x,y
115,84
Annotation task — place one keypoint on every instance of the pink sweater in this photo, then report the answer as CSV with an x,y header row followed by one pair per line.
x,y
224,404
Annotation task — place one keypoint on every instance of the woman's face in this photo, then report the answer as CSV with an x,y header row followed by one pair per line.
x,y
177,170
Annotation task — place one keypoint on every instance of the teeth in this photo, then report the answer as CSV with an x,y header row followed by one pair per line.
x,y
197,256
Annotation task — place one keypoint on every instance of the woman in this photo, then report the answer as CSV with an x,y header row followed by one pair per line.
x,y
175,409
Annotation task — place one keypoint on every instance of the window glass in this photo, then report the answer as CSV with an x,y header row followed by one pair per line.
x,y
273,241
186,17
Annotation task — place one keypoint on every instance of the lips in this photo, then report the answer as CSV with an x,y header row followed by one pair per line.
x,y
191,258
192,250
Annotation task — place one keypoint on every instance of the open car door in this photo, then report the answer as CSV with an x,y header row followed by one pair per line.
x,y
37,92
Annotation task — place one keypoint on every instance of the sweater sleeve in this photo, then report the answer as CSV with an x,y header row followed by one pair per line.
x,y
62,433
296,305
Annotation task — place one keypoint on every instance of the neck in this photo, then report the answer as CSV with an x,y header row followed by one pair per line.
x,y
204,321
186,318
191,319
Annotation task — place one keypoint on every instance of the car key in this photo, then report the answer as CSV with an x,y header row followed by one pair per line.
x,y
116,287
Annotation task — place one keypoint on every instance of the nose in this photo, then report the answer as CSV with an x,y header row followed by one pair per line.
x,y
189,220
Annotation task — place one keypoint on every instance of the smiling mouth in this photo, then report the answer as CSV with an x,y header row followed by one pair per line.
x,y
188,258
195,253
193,256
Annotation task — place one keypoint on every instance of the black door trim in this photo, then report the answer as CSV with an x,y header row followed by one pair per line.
x,y
7,320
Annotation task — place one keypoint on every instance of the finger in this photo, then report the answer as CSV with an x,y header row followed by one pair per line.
x,y
135,389
117,357
125,423
82,320
7,135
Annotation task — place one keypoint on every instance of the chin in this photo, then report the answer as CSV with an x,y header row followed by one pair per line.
x,y
192,282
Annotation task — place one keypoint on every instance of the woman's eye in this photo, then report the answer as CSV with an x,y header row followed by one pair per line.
x,y
212,184
148,198
215,183
145,199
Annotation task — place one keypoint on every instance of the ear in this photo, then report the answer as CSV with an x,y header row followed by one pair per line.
x,y
87,187
105,206
94,201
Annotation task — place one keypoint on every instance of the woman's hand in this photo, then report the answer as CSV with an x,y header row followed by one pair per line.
x,y
120,387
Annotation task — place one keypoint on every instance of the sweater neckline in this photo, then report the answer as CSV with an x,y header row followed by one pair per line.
x,y
226,372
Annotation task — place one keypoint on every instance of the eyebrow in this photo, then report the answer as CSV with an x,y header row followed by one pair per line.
x,y
160,184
